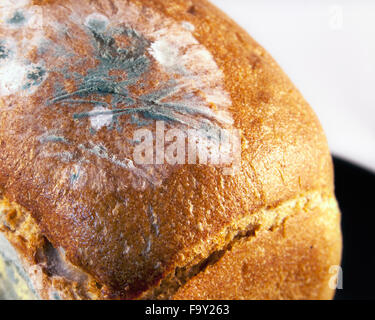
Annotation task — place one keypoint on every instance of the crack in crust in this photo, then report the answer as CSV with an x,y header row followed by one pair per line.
x,y
60,279
272,219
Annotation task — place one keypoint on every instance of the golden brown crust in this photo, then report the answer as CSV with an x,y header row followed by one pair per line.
x,y
291,260
51,278
104,226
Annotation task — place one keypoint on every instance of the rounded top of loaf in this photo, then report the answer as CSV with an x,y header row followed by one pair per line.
x,y
79,78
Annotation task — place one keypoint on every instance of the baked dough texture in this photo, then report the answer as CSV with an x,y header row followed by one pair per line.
x,y
80,220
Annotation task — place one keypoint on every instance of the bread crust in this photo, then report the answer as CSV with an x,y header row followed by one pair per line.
x,y
48,275
293,259
104,226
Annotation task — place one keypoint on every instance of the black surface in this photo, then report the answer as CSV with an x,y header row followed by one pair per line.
x,y
355,191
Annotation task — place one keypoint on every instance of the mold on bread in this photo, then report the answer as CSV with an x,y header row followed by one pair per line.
x,y
98,225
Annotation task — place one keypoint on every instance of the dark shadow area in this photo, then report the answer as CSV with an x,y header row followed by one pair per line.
x,y
355,191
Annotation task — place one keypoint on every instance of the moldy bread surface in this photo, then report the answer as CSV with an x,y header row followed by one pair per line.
x,y
90,73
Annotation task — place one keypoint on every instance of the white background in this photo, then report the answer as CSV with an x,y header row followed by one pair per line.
x,y
327,48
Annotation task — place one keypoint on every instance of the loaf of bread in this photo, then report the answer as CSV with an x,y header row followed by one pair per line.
x,y
81,218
